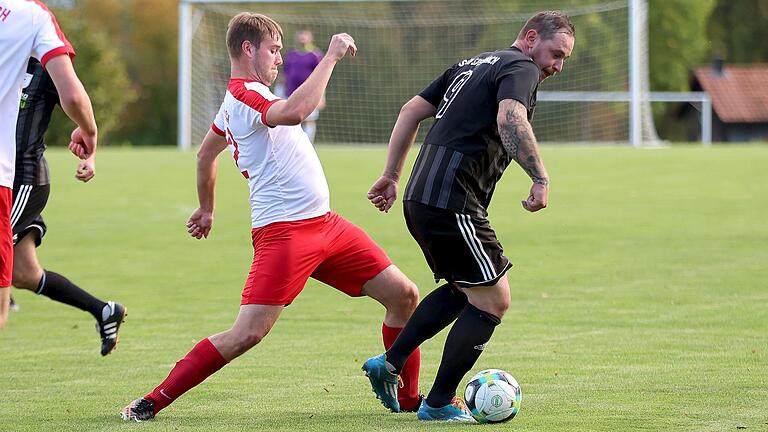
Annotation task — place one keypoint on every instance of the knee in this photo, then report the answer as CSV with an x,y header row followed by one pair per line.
x,y
401,301
496,306
409,295
25,279
500,308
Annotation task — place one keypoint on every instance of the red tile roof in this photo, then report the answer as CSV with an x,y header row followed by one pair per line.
x,y
740,95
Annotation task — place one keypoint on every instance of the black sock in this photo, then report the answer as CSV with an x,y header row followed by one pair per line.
x,y
465,343
57,287
433,314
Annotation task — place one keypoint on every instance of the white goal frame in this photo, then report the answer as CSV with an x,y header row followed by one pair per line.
x,y
638,96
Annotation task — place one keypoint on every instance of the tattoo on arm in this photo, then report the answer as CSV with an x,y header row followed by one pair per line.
x,y
519,141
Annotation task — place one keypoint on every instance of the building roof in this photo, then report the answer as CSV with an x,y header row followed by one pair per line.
x,y
739,94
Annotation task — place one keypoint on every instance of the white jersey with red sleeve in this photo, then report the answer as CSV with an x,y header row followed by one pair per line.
x,y
285,178
27,29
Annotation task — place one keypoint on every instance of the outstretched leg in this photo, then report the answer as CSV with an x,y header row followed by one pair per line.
x,y
208,356
29,275
399,296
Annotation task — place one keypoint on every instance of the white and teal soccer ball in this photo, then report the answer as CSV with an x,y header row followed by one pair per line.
x,y
493,396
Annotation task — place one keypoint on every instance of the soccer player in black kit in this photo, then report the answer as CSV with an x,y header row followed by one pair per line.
x,y
31,187
482,108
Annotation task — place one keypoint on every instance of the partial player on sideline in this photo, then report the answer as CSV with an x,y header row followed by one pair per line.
x,y
31,188
299,64
29,29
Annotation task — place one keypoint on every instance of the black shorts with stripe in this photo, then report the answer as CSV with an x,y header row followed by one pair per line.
x,y
459,248
28,202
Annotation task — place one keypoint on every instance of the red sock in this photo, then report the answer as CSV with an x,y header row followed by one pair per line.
x,y
200,363
408,396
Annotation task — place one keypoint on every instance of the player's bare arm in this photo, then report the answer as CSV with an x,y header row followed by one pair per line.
x,y
76,104
518,139
383,193
308,96
200,222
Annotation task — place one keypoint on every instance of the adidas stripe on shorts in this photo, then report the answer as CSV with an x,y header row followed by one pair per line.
x,y
459,248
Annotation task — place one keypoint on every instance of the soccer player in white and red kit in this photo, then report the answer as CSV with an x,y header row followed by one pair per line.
x,y
295,234
29,29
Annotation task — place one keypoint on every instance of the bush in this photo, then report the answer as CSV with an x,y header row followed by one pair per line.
x,y
103,73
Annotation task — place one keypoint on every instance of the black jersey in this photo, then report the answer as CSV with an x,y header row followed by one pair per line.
x,y
463,158
38,99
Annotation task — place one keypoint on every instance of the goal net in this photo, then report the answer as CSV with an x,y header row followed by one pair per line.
x,y
403,45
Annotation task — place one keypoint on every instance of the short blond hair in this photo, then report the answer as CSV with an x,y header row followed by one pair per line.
x,y
252,27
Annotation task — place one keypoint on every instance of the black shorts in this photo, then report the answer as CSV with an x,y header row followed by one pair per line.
x,y
459,248
28,202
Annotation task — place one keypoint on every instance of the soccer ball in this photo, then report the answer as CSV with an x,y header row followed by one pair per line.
x,y
493,396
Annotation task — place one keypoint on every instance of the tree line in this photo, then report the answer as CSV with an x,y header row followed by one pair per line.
x,y
127,56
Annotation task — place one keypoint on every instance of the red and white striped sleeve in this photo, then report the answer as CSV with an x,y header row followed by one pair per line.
x,y
258,98
218,126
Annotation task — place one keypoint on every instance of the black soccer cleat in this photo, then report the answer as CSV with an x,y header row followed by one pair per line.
x,y
112,316
139,410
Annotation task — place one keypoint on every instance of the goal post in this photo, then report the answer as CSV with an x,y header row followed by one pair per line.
x,y
404,44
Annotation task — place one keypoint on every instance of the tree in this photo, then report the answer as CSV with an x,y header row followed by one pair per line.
x,y
677,43
146,33
103,73
739,30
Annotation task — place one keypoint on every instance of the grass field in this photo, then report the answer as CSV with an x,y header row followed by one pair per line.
x,y
640,300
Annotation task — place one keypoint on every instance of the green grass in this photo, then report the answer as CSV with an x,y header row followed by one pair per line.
x,y
639,299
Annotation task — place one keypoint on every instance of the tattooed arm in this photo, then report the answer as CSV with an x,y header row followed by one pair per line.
x,y
520,142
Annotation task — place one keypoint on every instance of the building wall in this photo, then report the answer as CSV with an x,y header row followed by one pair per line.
x,y
746,132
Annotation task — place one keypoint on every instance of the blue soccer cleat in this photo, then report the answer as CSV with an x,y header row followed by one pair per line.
x,y
383,382
455,411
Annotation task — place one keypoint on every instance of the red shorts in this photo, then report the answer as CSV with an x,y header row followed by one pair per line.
x,y
328,248
6,237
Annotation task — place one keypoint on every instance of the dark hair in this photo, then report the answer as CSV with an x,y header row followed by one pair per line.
x,y
547,23
253,27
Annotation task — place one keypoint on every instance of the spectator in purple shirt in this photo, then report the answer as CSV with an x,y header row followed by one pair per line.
x,y
297,65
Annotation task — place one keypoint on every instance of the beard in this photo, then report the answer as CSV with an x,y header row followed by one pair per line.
x,y
265,76
546,73
268,77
